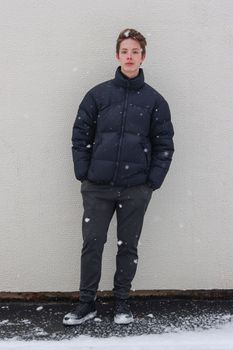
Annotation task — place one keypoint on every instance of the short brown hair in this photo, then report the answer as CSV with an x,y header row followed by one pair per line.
x,y
132,34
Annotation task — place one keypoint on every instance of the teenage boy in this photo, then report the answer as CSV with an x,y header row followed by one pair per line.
x,y
122,149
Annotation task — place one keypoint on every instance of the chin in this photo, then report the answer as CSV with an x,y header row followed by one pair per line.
x,y
130,69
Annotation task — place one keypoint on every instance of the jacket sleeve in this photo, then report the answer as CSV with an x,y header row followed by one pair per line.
x,y
162,146
83,135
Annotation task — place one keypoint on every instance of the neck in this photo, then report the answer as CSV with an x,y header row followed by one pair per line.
x,y
130,74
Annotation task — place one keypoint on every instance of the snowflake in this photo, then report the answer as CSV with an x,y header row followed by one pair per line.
x,y
39,308
87,219
126,33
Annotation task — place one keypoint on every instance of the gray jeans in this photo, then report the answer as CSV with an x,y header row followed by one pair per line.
x,y
100,203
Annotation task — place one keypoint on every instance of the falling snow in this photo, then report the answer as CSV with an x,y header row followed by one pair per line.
x,y
39,308
126,33
87,219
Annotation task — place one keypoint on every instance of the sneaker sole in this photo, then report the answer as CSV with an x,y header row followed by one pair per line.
x,y
121,320
72,321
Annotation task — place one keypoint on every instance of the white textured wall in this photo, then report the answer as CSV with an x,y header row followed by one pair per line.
x,y
52,52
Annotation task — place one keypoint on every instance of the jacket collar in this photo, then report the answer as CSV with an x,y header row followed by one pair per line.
x,y
131,83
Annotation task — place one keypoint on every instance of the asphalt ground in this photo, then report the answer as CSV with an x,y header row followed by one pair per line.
x,y
152,315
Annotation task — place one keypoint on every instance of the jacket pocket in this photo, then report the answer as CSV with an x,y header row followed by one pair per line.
x,y
147,153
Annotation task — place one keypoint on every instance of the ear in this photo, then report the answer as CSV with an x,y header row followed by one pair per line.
x,y
117,56
143,57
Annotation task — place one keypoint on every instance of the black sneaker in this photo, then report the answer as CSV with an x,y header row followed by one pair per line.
x,y
83,312
123,314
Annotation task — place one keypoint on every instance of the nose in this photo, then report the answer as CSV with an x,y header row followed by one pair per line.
x,y
129,57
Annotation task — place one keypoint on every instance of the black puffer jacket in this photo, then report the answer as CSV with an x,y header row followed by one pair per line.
x,y
123,133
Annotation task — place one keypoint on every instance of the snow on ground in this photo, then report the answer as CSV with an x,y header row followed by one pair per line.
x,y
212,339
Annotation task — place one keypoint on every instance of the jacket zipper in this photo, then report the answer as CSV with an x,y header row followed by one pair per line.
x,y
122,132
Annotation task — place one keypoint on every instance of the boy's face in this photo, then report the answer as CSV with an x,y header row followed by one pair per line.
x,y
130,57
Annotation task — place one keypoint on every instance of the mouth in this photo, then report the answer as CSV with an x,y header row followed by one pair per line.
x,y
129,64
